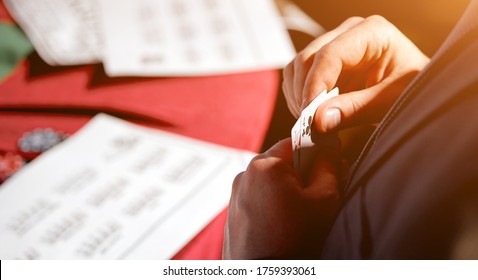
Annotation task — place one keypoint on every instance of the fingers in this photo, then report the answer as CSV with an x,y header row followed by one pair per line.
x,y
272,215
362,47
359,107
296,71
369,59
305,58
282,150
274,165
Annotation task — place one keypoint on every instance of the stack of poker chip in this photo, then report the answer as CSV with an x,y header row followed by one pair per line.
x,y
33,143
30,145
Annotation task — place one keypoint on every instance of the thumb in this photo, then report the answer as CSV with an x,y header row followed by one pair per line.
x,y
361,107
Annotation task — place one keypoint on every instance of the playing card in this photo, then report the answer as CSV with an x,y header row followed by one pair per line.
x,y
295,135
304,137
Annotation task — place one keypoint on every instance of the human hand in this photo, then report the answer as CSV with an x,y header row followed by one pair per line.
x,y
370,61
273,215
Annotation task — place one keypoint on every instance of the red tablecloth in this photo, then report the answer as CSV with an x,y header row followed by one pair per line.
x,y
4,15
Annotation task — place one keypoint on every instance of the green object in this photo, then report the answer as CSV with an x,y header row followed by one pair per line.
x,y
14,47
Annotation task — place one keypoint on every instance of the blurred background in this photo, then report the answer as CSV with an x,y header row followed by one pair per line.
x,y
426,22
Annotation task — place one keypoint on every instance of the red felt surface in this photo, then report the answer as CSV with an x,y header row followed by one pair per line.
x,y
4,14
207,245
231,110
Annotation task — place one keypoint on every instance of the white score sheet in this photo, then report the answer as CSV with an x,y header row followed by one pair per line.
x,y
115,190
64,32
157,37
192,37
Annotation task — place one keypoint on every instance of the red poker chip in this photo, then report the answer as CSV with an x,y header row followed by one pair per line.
x,y
9,164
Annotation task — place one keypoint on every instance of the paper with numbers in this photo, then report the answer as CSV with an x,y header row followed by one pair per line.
x,y
63,32
192,37
157,37
115,190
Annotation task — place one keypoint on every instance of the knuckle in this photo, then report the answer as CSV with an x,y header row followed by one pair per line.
x,y
380,23
354,19
301,59
382,31
351,109
324,53
288,70
256,164
356,105
237,181
263,166
377,19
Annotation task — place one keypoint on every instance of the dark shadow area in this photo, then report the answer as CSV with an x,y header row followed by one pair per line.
x,y
282,120
281,124
87,112
100,78
38,68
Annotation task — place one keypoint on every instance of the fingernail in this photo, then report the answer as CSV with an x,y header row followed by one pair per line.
x,y
332,119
